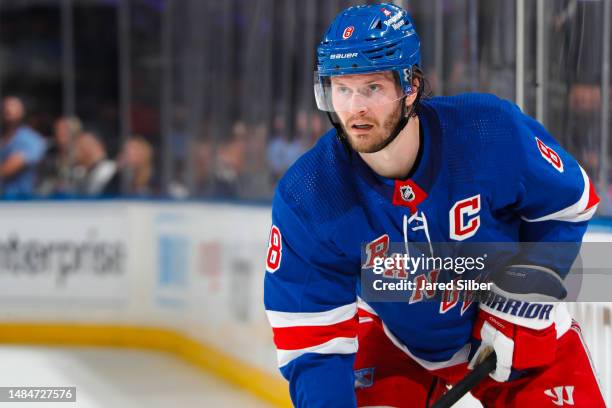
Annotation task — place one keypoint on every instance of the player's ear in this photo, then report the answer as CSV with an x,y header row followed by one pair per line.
x,y
416,83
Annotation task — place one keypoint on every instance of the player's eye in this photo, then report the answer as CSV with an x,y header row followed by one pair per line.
x,y
373,88
343,90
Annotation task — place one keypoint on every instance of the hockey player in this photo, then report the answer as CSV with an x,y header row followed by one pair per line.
x,y
400,167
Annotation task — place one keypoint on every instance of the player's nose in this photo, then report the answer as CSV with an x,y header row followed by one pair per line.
x,y
357,104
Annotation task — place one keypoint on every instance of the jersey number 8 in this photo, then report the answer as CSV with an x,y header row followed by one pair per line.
x,y
550,155
275,249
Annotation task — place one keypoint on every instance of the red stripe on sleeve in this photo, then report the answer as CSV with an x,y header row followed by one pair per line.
x,y
299,337
365,313
593,197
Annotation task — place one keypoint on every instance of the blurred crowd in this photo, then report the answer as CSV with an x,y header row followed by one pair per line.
x,y
226,118
74,161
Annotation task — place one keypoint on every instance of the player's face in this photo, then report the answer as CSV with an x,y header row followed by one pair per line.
x,y
369,107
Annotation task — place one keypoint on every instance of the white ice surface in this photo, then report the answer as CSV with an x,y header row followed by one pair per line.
x,y
117,378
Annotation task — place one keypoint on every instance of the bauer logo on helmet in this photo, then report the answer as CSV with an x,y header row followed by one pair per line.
x,y
343,56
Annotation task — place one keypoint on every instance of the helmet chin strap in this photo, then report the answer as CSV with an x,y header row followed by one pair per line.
x,y
405,117
335,120
401,123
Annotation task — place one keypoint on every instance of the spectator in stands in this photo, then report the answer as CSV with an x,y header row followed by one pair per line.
x,y
135,164
256,180
300,142
580,55
283,151
277,148
317,128
20,151
229,163
95,174
56,169
202,156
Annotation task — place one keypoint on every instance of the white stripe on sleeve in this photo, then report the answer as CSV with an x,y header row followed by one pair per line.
x,y
575,212
329,317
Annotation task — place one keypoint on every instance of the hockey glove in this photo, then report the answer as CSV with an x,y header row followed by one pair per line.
x,y
517,320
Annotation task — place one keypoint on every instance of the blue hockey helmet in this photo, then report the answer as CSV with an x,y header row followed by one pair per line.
x,y
366,39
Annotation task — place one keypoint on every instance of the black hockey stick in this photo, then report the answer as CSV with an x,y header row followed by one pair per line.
x,y
479,373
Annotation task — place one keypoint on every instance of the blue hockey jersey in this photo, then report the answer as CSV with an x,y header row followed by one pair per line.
x,y
485,173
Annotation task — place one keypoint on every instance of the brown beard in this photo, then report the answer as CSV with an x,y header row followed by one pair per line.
x,y
387,127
